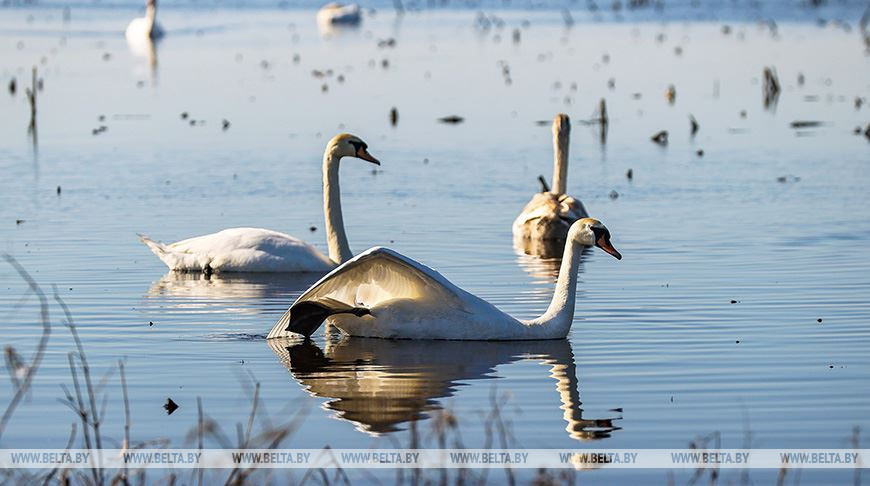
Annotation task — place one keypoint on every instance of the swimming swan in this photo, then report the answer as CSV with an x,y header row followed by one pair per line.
x,y
384,294
551,212
338,14
261,250
144,27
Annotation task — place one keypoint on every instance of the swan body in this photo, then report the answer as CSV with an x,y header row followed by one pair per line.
x,y
338,14
262,250
146,27
241,250
551,212
384,294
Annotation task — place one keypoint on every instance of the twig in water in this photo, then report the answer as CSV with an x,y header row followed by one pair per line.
x,y
771,88
96,417
125,446
25,382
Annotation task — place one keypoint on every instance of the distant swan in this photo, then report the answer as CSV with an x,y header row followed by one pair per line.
x,y
551,212
144,27
381,293
261,250
338,14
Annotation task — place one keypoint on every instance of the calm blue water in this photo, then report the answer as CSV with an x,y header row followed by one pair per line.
x,y
655,335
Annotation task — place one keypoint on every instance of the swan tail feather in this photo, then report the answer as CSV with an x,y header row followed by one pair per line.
x,y
161,250
156,247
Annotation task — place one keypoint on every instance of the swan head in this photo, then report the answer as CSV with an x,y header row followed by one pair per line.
x,y
347,145
561,126
591,232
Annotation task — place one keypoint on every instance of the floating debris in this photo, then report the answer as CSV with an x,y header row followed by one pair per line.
x,y
13,86
660,138
452,119
394,116
18,221
613,194
184,115
150,323
671,94
694,125
700,153
225,124
819,320
771,88
58,190
629,174
389,42
733,301
170,406
787,178
805,124
312,228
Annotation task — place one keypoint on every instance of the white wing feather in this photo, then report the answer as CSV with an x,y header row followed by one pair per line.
x,y
374,276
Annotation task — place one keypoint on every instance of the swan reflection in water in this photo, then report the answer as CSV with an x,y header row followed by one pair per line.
x,y
541,259
145,48
378,384
246,293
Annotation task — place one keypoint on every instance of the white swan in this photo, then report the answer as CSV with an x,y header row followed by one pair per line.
x,y
381,293
145,27
338,14
261,250
551,212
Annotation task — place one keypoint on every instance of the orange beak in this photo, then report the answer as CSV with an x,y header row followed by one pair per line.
x,y
604,243
365,155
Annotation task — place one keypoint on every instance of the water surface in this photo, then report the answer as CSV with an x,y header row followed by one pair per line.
x,y
658,354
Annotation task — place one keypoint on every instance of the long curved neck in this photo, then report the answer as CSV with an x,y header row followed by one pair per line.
x,y
339,250
560,162
150,15
560,314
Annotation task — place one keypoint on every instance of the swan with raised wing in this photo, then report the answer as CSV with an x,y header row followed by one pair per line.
x,y
381,293
262,250
145,27
549,214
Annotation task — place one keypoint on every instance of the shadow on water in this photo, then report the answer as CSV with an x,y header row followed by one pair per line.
x,y
378,384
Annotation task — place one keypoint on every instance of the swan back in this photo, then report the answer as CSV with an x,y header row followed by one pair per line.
x,y
371,278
